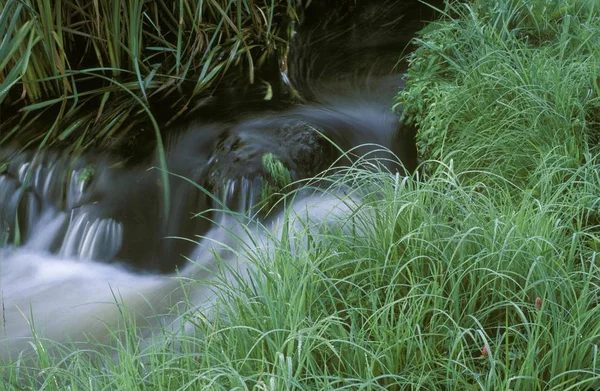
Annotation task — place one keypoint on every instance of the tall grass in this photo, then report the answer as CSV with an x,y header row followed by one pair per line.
x,y
501,86
94,74
83,61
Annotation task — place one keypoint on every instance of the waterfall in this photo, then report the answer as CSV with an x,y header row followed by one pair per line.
x,y
90,238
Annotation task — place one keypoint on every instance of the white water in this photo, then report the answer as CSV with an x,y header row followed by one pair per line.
x,y
62,282
62,298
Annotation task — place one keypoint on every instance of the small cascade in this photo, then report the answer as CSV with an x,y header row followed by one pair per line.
x,y
19,208
33,209
47,175
8,198
78,183
240,196
92,238
47,231
41,204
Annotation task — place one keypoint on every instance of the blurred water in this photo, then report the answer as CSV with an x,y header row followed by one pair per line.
x,y
80,234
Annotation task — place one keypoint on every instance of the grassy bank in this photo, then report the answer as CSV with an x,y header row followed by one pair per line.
x,y
503,86
481,275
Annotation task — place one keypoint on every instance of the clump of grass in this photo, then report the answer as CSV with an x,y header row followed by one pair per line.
x,y
95,66
501,85
276,179
276,170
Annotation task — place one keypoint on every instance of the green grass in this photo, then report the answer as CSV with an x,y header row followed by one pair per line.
x,y
402,290
277,179
501,86
84,75
483,274
91,70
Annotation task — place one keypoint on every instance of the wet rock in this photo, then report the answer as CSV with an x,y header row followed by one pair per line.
x,y
241,150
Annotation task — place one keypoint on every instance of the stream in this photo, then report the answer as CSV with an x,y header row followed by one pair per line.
x,y
80,234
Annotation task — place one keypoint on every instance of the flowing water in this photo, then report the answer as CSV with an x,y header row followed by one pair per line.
x,y
101,236
80,234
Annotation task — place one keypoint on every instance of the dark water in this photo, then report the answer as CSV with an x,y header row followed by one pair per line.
x,y
75,231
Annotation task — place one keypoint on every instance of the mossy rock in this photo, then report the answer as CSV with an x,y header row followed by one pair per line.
x,y
271,152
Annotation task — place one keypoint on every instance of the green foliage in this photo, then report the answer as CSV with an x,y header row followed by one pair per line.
x,y
277,178
277,172
85,60
87,173
501,85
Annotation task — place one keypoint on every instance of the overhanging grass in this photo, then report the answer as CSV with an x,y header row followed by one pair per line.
x,y
94,74
402,291
80,62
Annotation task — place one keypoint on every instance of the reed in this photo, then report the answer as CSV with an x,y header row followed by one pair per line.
x,y
93,70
